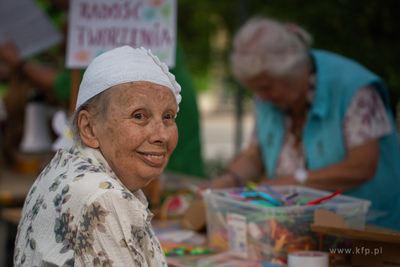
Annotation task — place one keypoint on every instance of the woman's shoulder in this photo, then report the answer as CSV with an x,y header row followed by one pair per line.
x,y
81,176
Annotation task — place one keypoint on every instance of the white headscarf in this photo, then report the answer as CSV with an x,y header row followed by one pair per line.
x,y
122,65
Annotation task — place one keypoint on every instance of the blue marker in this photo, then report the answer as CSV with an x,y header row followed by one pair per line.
x,y
269,198
262,203
272,191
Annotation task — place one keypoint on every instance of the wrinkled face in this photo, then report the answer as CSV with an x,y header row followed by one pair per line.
x,y
139,133
283,93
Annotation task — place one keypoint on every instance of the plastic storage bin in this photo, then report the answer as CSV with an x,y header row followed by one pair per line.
x,y
257,232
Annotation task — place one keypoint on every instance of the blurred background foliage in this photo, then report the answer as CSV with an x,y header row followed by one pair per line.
x,y
367,31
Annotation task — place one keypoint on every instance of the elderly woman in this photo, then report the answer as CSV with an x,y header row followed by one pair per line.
x,y
322,120
86,208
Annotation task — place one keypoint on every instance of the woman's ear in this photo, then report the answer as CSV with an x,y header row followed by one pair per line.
x,y
86,124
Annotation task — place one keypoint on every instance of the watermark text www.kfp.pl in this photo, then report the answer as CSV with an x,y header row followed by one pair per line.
x,y
357,250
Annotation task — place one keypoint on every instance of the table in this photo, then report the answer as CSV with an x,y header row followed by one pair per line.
x,y
14,187
11,215
9,219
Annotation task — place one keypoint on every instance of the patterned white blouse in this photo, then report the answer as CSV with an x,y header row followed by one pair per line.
x,y
365,120
78,213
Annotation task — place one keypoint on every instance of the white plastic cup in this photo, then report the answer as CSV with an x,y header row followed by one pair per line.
x,y
308,258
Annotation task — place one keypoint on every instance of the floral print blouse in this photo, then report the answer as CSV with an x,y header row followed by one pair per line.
x,y
365,120
78,213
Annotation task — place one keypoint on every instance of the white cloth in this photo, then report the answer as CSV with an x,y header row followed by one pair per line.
x,y
122,65
78,213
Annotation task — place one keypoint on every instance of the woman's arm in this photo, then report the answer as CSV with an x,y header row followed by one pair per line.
x,y
248,166
43,76
359,167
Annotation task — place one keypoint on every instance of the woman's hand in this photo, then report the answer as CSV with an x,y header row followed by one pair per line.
x,y
219,182
359,167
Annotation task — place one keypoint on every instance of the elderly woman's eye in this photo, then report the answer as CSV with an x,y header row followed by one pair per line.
x,y
138,116
168,117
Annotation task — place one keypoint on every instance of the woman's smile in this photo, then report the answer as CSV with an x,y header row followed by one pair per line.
x,y
153,159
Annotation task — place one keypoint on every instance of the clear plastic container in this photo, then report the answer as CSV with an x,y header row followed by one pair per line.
x,y
257,232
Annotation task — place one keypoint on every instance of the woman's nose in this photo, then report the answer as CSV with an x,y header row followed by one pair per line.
x,y
159,133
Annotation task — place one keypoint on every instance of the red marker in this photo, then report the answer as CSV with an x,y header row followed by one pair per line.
x,y
324,198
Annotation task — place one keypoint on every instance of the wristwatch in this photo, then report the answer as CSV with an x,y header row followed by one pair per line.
x,y
301,176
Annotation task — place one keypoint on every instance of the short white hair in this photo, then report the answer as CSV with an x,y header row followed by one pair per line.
x,y
265,45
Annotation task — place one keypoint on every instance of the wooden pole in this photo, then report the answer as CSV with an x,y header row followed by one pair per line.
x,y
73,96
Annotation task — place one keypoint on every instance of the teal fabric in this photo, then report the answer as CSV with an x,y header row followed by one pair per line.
x,y
338,79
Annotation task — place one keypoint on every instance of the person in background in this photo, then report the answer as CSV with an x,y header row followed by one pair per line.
x,y
21,79
87,208
322,120
18,89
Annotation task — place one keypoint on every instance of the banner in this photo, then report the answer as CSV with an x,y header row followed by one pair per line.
x,y
96,26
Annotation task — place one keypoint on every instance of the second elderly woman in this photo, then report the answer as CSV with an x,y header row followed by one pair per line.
x,y
322,120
